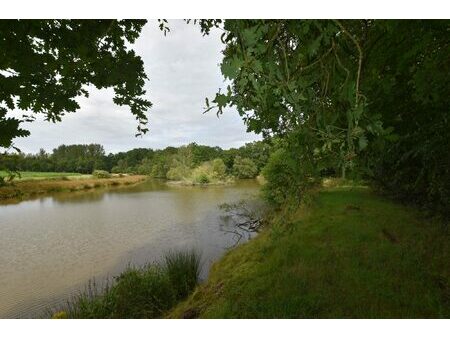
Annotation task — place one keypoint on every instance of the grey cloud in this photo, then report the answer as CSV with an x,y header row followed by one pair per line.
x,y
182,69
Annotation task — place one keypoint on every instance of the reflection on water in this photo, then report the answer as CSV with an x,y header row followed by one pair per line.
x,y
50,247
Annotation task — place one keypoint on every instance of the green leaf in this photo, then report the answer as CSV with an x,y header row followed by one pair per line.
x,y
314,46
221,100
230,68
362,142
357,112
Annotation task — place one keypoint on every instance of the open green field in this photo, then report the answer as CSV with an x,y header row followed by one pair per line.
x,y
349,254
32,175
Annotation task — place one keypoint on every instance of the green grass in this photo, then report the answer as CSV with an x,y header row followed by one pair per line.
x,y
139,292
33,175
349,254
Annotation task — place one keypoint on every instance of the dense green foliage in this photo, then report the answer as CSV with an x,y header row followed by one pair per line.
x,y
371,96
79,158
244,168
349,254
46,64
138,292
191,162
409,86
285,179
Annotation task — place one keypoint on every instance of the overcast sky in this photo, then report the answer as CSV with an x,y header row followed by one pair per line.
x,y
183,69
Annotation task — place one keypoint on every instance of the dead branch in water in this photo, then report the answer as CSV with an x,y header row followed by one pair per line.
x,y
244,217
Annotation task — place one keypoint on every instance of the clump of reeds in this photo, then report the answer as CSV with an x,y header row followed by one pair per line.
x,y
138,292
183,269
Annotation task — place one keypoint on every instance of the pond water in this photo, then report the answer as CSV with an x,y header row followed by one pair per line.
x,y
52,246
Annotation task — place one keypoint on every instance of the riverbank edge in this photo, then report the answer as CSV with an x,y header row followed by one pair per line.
x,y
22,190
241,281
229,181
196,184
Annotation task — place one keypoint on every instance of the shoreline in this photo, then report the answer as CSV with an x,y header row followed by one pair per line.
x,y
26,189
194,184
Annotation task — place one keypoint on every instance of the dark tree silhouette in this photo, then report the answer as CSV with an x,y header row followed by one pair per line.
x,y
46,64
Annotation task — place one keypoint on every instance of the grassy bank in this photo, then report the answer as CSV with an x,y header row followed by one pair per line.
x,y
348,254
43,175
26,188
139,292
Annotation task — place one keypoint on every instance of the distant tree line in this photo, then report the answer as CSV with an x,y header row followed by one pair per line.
x,y
171,162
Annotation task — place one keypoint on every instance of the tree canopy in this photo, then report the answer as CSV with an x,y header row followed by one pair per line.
x,y
365,97
46,64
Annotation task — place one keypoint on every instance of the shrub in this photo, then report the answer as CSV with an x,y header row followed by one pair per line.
x,y
286,177
202,179
219,168
101,174
203,174
244,168
177,173
145,168
115,170
159,170
207,172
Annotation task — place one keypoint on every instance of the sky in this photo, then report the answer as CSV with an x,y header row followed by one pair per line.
x,y
183,69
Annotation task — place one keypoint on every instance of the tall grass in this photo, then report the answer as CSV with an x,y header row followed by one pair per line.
x,y
183,270
93,302
138,292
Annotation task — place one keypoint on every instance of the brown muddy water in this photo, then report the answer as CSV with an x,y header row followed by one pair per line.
x,y
52,246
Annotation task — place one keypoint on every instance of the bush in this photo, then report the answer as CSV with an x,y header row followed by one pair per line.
x,y
159,170
219,168
202,179
101,174
145,168
177,173
203,174
207,172
244,168
116,170
286,176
